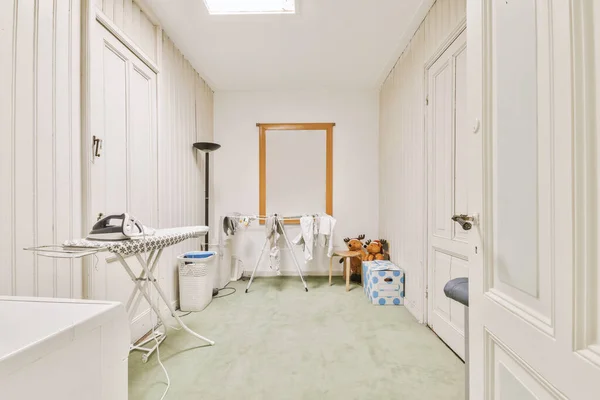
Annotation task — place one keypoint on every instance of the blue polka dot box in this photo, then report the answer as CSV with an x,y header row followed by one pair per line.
x,y
383,283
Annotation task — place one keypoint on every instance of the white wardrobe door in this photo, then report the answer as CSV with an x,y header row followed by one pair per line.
x,y
124,174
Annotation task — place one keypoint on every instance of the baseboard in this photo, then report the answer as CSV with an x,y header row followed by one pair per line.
x,y
266,274
140,325
417,314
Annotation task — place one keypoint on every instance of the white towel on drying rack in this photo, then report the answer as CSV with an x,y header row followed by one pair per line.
x,y
306,236
272,230
326,228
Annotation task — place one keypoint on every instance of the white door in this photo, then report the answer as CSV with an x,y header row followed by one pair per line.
x,y
533,261
447,189
124,176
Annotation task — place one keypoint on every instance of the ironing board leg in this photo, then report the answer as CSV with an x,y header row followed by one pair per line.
x,y
135,298
166,299
139,285
160,336
156,341
256,265
287,241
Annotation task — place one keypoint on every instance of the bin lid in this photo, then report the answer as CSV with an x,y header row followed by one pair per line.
x,y
198,254
382,265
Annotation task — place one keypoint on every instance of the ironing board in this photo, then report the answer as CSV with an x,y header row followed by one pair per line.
x,y
152,245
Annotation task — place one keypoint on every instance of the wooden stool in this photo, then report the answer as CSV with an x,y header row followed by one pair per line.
x,y
346,255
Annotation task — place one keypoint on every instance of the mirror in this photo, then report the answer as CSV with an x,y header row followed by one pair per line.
x,y
295,169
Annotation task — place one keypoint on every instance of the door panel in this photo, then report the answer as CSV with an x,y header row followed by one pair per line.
x,y
123,178
513,378
515,145
587,184
114,103
442,267
446,317
521,159
442,120
461,161
459,268
447,176
141,145
510,387
533,181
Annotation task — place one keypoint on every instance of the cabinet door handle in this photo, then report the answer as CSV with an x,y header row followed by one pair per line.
x,y
97,146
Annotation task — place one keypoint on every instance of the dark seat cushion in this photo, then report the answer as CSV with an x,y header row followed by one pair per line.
x,y
458,289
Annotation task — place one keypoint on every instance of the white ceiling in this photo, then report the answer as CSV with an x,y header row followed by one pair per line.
x,y
336,44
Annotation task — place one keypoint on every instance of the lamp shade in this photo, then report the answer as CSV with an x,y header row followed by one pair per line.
x,y
207,146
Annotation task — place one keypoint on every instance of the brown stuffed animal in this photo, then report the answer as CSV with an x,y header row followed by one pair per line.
x,y
375,250
355,244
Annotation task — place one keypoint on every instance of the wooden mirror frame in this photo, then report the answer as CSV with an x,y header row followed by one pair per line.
x,y
262,156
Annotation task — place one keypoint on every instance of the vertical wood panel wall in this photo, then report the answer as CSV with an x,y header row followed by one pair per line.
x,y
127,15
186,117
402,197
40,199
40,156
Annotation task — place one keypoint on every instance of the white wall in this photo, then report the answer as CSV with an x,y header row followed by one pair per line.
x,y
40,196
355,161
403,199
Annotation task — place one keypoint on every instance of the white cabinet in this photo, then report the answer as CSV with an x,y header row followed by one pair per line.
x,y
63,349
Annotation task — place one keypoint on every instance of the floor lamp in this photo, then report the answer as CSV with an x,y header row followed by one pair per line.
x,y
207,147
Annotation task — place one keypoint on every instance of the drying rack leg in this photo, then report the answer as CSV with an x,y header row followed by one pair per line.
x,y
256,265
287,241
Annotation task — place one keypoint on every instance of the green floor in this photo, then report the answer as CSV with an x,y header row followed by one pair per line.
x,y
278,342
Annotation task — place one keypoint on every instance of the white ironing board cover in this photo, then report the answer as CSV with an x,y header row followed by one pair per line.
x,y
162,238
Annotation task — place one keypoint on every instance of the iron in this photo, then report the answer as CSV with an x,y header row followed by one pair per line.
x,y
118,227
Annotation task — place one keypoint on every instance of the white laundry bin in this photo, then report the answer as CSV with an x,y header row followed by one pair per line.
x,y
196,275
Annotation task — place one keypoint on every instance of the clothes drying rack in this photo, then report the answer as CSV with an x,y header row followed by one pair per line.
x,y
279,223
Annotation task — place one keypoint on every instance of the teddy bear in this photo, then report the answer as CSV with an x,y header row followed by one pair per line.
x,y
376,250
355,244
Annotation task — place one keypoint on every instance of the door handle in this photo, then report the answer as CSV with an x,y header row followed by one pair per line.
x,y
465,221
96,146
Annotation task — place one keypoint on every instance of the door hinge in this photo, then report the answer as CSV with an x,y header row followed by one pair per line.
x,y
427,292
427,100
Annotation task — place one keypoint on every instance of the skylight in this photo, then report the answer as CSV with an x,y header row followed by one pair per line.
x,y
251,6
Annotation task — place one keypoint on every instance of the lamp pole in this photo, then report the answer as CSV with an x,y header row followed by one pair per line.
x,y
206,196
207,148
